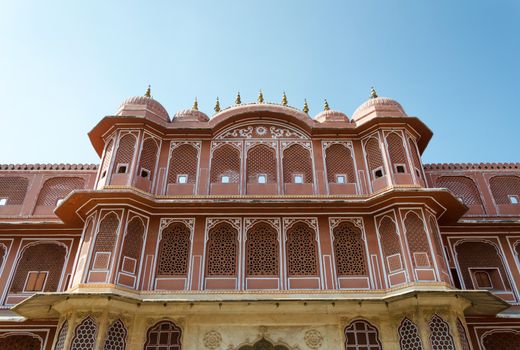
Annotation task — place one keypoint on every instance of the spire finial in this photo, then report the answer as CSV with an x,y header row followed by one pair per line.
x,y
260,97
373,93
148,92
326,105
238,100
217,106
305,107
195,105
284,99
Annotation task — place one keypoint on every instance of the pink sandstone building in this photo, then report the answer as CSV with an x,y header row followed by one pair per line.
x,y
260,228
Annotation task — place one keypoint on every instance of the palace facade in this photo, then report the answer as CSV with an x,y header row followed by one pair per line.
x,y
260,228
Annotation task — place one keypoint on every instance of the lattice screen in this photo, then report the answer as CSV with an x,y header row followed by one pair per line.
x,y
261,159
222,250
502,340
302,251
31,260
349,250
149,155
361,335
504,186
297,160
60,343
390,244
463,338
339,160
85,335
417,240
109,151
3,251
58,188
125,151
105,239
14,188
436,237
262,250
462,187
225,161
133,242
174,250
374,156
440,337
183,161
415,154
163,336
478,254
116,336
20,342
396,151
409,338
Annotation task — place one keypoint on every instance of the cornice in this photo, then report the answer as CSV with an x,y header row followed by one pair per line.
x,y
40,167
471,166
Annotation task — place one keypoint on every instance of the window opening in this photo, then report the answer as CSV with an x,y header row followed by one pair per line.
x,y
483,280
340,179
145,173
35,281
400,168
378,172
103,174
182,179
225,179
262,179
3,201
121,168
513,199
298,179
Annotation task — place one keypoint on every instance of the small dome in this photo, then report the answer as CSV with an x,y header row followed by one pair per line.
x,y
331,116
143,106
190,115
378,107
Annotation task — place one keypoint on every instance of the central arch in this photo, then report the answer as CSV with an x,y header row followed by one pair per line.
x,y
263,344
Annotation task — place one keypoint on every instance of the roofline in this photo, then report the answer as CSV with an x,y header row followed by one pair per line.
x,y
472,166
48,166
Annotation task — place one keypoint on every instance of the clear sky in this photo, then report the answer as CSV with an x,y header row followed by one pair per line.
x,y
65,65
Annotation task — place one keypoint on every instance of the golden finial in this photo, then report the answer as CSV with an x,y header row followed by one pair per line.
x,y
195,105
305,107
260,97
373,93
238,100
284,99
326,105
217,106
148,92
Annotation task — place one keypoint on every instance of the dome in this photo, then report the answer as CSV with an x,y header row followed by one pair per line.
x,y
143,106
331,116
378,107
190,115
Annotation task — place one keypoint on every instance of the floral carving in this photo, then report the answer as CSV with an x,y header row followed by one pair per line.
x,y
212,340
313,338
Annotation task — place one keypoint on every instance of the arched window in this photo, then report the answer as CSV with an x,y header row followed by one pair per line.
x,y
417,240
60,342
263,344
85,335
125,154
109,150
475,257
20,342
183,164
222,250
397,153
361,335
302,251
390,244
34,274
116,336
415,156
339,162
374,158
262,251
440,337
58,188
349,250
409,338
13,189
148,158
461,187
225,165
105,241
174,250
463,337
132,246
261,165
436,238
505,189
501,340
297,162
164,335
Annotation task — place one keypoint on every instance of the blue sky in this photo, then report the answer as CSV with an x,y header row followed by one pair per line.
x,y
64,65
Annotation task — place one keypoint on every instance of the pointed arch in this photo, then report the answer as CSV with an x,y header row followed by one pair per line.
x,y
261,160
360,334
302,250
262,250
297,160
417,239
397,152
164,335
174,250
440,337
125,152
349,250
62,335
222,250
116,336
105,240
409,338
85,335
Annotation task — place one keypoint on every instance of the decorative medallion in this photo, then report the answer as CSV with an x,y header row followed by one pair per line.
x,y
212,340
313,338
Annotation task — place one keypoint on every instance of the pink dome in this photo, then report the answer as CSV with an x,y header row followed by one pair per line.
x,y
379,107
143,106
190,115
331,116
